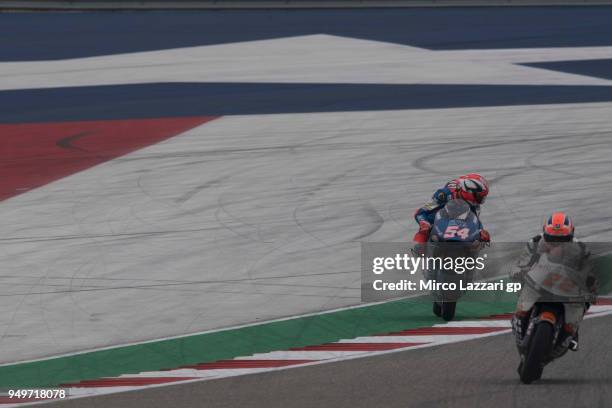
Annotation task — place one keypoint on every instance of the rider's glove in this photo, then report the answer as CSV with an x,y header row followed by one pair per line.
x,y
517,275
424,226
421,236
484,236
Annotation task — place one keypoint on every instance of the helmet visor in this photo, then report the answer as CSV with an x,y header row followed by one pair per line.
x,y
557,238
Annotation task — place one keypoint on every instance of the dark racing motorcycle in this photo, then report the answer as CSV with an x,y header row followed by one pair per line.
x,y
455,233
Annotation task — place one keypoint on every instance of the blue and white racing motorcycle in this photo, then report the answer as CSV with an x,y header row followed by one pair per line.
x,y
455,233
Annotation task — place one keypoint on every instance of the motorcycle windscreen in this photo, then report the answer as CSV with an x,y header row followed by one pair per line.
x,y
562,274
456,222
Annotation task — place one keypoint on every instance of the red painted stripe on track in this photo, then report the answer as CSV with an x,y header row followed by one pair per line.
x,y
126,382
355,346
35,154
426,331
223,364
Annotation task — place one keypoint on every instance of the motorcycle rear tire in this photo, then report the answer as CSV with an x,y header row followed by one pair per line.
x,y
540,347
437,309
448,310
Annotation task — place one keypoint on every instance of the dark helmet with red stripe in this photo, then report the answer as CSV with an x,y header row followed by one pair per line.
x,y
558,228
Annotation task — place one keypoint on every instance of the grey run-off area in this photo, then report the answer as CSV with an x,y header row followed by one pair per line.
x,y
257,216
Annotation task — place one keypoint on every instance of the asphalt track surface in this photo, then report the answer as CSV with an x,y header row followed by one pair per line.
x,y
478,373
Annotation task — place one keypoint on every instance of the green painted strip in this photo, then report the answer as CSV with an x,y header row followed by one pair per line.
x,y
303,331
281,335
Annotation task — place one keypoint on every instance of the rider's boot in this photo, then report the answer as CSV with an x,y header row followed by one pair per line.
x,y
573,344
520,321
